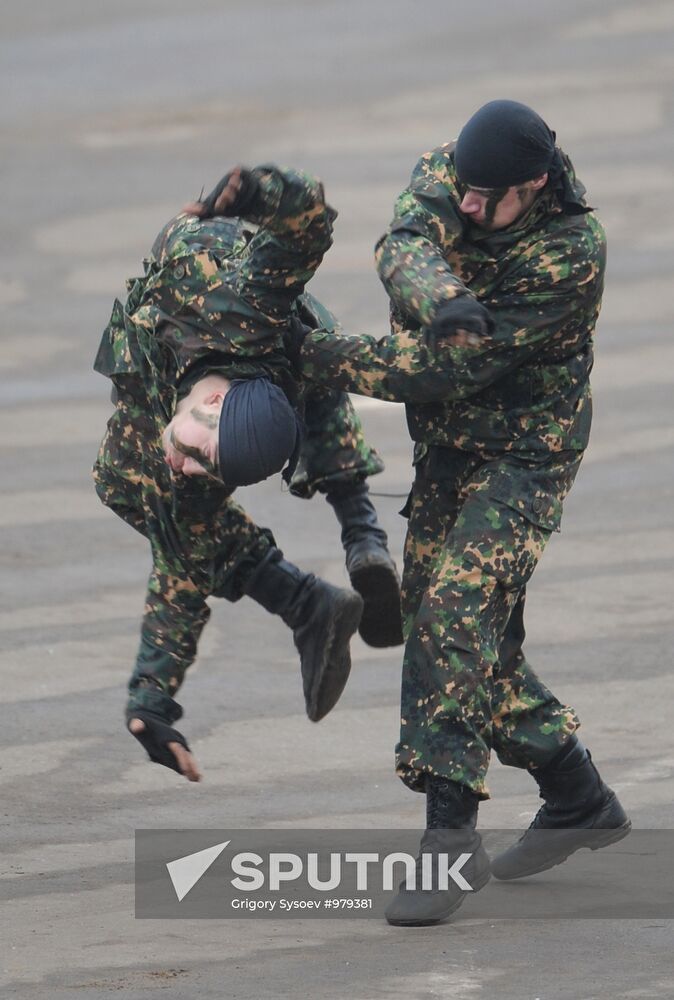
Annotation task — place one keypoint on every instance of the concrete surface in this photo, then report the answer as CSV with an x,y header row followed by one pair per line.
x,y
114,114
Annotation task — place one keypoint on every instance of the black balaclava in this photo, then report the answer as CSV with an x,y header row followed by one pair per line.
x,y
506,143
259,432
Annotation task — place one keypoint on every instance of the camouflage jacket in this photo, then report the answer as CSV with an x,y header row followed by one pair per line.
x,y
523,388
216,296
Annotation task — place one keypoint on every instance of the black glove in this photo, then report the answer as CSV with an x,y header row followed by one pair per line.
x,y
293,338
242,202
156,736
461,313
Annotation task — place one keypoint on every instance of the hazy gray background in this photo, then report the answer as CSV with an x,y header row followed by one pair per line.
x,y
113,115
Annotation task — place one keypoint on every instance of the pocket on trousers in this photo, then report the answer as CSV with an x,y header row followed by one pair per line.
x,y
536,502
506,538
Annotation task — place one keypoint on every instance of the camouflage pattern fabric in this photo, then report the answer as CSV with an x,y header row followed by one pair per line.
x,y
214,298
500,423
525,387
476,532
334,449
202,543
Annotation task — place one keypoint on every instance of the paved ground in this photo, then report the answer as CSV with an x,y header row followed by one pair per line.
x,y
114,114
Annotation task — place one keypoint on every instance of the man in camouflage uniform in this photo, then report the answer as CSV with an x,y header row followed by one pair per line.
x,y
212,304
494,265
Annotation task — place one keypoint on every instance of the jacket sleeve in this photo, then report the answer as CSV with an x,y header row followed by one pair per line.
x,y
295,232
412,255
552,299
210,306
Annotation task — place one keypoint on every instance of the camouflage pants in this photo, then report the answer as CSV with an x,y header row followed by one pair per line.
x,y
334,449
203,543
476,532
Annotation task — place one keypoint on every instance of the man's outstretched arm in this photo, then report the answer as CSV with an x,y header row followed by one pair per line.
x,y
175,615
452,358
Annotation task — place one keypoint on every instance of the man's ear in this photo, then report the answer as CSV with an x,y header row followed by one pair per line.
x,y
214,398
539,182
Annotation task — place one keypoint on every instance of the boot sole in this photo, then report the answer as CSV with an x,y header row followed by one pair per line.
x,y
381,624
479,884
347,616
595,843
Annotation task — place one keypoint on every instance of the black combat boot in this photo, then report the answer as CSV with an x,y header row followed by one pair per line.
x,y
579,811
451,816
369,564
323,619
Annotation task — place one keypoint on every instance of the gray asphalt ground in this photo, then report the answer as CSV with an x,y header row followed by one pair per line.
x,y
113,115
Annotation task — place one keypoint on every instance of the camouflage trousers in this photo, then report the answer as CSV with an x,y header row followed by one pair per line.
x,y
334,449
203,543
476,532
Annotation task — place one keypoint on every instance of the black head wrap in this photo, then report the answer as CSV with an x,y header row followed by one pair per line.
x,y
504,143
259,432
507,143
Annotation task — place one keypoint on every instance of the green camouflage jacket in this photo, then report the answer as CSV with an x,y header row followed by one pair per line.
x,y
523,388
216,296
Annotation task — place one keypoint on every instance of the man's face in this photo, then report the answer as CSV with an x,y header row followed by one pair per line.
x,y
191,440
496,208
